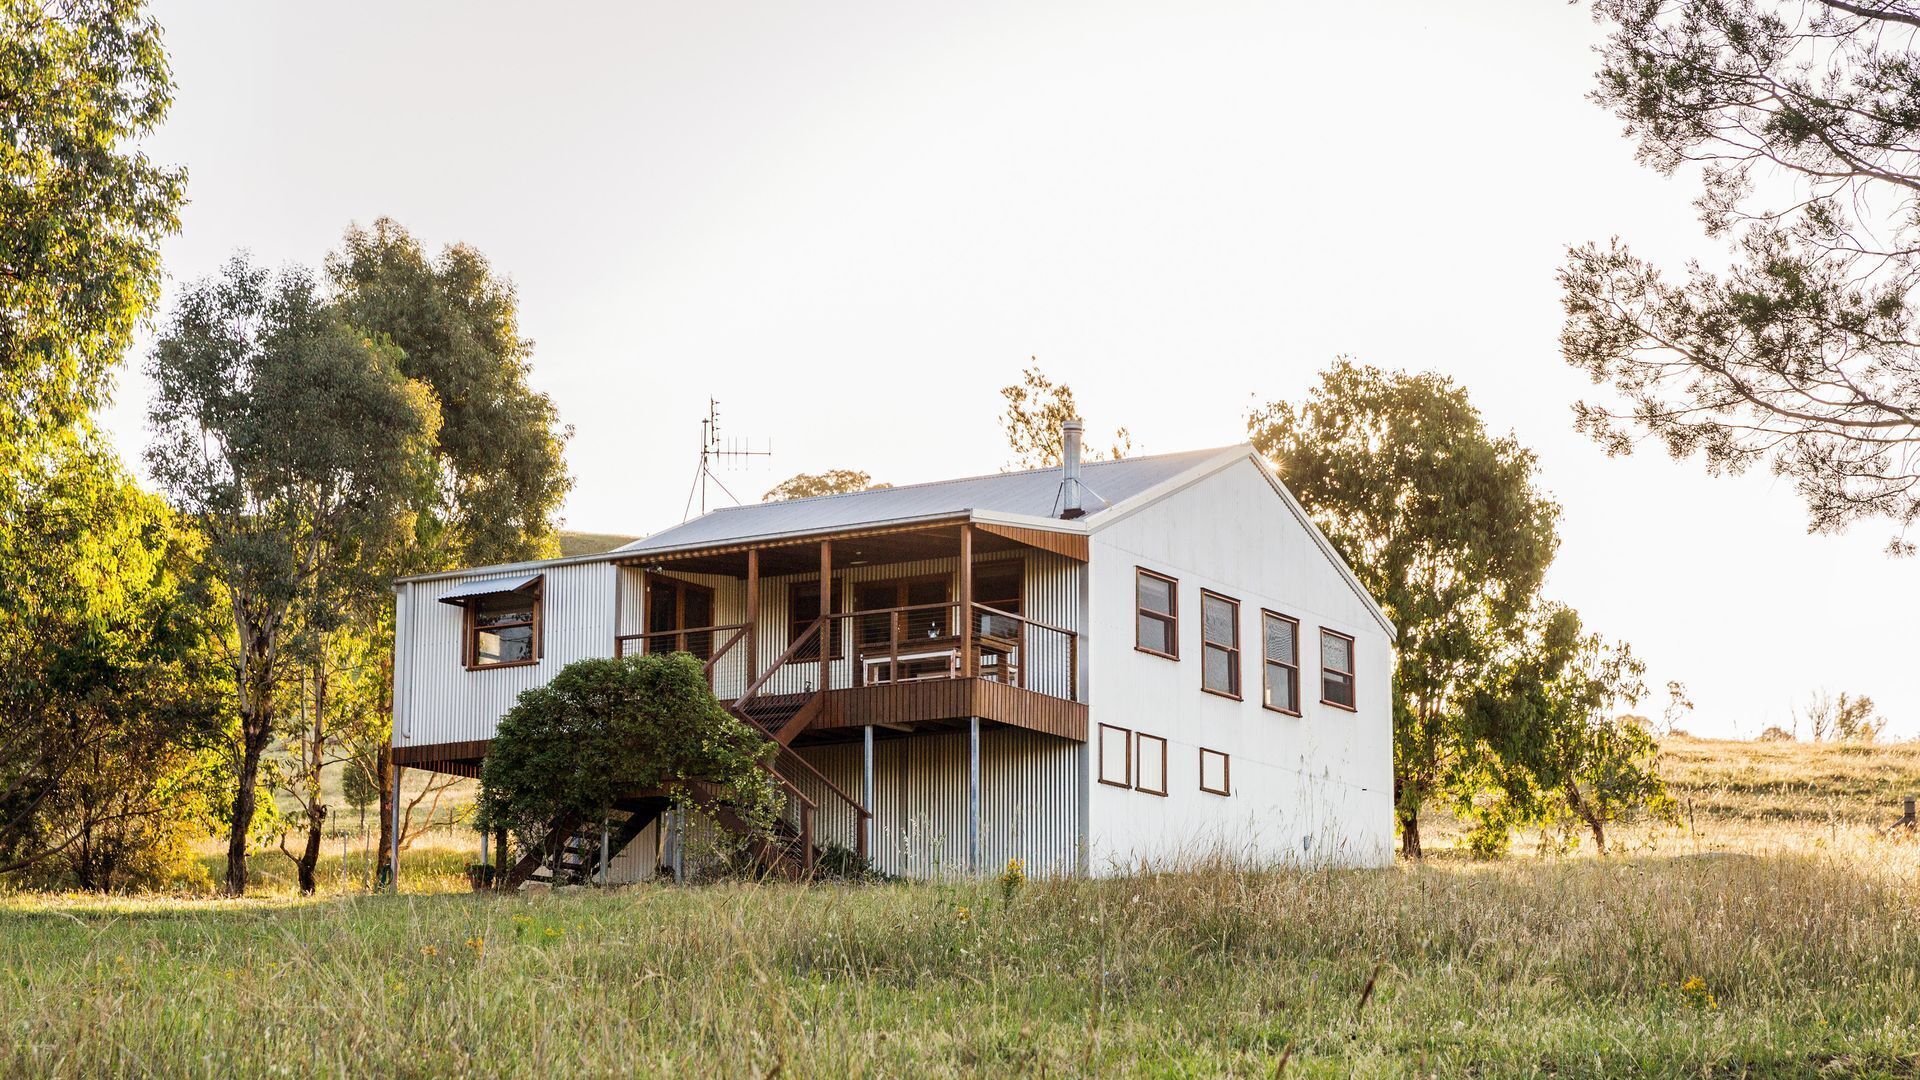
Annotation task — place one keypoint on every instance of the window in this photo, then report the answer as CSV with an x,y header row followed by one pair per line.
x,y
1116,756
803,606
674,607
929,622
998,585
1150,764
1216,772
1157,628
1280,638
1336,669
1219,644
503,630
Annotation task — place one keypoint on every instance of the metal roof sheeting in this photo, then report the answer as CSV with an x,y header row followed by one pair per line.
x,y
1034,493
470,590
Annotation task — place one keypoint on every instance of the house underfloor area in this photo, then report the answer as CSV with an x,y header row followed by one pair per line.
x,y
937,808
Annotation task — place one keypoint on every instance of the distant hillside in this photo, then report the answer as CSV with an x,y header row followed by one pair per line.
x,y
585,543
1791,782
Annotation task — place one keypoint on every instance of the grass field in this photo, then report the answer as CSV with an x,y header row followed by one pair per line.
x,y
1777,934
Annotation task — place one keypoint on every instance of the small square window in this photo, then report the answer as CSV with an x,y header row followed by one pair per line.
x,y
502,629
1216,772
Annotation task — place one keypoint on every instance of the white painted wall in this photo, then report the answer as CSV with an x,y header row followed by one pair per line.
x,y
1317,788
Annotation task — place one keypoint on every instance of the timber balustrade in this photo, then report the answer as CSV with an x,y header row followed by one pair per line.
x,y
924,642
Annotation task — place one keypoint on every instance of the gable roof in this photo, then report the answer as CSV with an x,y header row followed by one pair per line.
x,y
1114,490
1032,496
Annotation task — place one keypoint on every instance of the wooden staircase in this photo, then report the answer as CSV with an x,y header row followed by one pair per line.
x,y
789,849
571,854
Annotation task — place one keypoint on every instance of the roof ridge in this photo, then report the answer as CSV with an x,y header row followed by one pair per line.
x,y
969,479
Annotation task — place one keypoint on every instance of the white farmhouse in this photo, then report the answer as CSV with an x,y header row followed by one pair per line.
x,y
1145,662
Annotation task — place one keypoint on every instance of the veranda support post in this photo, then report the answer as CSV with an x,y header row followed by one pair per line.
x,y
973,794
866,790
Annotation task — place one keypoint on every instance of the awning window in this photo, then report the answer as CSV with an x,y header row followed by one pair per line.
x,y
469,591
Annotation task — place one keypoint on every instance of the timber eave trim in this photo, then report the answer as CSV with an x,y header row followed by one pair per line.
x,y
1036,533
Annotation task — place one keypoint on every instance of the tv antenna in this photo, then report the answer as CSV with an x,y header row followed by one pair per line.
x,y
715,449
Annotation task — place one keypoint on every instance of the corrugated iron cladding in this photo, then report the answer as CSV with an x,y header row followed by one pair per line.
x,y
438,700
1029,802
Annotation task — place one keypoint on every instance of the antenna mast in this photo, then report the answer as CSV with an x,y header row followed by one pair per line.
x,y
714,449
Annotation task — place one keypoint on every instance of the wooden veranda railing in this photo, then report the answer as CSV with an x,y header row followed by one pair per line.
x,y
698,642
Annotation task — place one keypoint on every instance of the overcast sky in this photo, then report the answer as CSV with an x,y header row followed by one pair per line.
x,y
853,223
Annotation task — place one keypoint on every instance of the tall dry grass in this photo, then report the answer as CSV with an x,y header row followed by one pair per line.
x,y
1688,960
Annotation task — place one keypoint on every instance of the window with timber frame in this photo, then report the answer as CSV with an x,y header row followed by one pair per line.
x,y
1216,772
803,606
1157,619
1336,669
502,630
1280,662
1150,764
1219,644
1116,756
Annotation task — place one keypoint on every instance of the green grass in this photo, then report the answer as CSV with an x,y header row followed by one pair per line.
x,y
1562,967
1809,954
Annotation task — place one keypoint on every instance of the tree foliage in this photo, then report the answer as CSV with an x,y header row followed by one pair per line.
x,y
831,482
295,445
501,475
1842,718
1036,407
1803,124
109,701
82,213
1441,521
604,728
1551,718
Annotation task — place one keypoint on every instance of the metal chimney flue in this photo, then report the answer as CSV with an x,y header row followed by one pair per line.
x,y
1070,432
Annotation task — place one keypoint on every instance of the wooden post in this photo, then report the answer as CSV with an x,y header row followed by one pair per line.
x,y
826,611
1906,812
753,614
605,839
973,794
966,600
393,866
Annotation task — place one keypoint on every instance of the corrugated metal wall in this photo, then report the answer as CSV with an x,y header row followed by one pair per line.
x,y
1029,801
436,699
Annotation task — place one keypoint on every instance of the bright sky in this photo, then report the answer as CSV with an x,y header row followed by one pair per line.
x,y
853,223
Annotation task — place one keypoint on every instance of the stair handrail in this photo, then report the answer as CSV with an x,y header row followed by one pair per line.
x,y
764,677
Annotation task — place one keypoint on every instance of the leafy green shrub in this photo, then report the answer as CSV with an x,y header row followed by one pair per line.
x,y
606,729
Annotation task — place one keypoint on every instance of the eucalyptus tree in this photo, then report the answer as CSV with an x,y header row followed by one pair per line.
x,y
1553,720
296,446
499,471
82,211
831,482
1801,121
1036,408
1441,521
